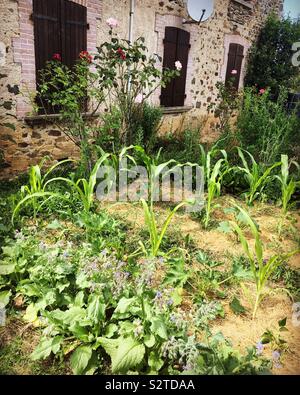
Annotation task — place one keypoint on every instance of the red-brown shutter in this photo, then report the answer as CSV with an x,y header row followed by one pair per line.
x,y
170,48
47,33
183,46
235,60
176,47
74,31
60,26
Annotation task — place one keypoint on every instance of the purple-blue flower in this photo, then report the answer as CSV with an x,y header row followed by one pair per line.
x,y
170,302
276,355
158,295
259,348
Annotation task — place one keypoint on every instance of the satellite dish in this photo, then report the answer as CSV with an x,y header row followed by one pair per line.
x,y
200,10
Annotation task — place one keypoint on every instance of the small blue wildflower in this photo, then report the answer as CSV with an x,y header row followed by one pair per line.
x,y
276,355
158,295
104,252
170,302
259,348
65,254
172,318
161,260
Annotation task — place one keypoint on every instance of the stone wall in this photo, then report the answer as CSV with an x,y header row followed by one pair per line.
x,y
232,21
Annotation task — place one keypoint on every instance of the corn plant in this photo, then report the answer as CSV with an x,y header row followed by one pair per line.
x,y
156,236
288,184
255,175
36,188
85,187
154,169
213,177
261,268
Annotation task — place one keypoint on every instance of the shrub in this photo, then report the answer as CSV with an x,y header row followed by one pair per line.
x,y
264,126
269,63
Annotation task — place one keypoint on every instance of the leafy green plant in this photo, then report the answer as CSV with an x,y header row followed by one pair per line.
x,y
156,236
275,41
274,337
264,126
228,101
86,187
213,176
67,91
129,76
36,189
256,175
262,268
288,184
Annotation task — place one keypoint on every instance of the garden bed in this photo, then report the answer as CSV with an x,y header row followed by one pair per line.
x,y
20,338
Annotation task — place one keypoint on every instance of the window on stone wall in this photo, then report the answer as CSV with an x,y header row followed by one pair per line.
x,y
60,26
234,65
176,47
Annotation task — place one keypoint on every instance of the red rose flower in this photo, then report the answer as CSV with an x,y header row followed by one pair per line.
x,y
56,56
84,55
121,53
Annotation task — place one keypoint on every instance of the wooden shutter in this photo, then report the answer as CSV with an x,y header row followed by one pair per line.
x,y
235,60
74,31
60,26
47,33
176,47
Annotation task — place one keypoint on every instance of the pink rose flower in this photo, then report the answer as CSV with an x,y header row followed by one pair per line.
x,y
262,91
178,65
234,72
112,22
139,98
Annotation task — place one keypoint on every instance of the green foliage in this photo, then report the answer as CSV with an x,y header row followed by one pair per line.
x,y
85,187
274,338
262,268
184,147
67,91
264,126
288,184
156,236
269,64
213,177
35,191
256,176
96,308
236,306
228,102
130,76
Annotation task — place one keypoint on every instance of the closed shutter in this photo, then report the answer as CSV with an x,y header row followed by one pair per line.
x,y
235,60
60,26
47,32
176,47
74,31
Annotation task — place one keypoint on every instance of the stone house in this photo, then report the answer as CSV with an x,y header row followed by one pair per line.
x,y
31,30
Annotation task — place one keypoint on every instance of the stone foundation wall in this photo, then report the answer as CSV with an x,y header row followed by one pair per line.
x,y
232,21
